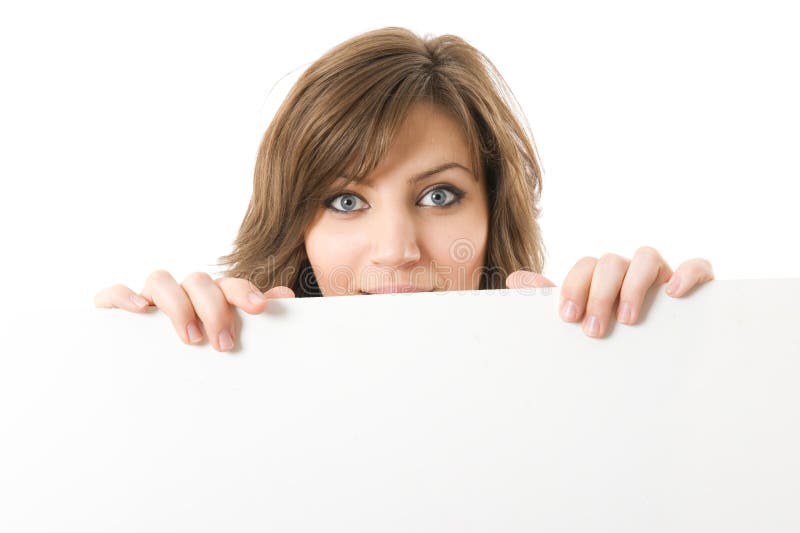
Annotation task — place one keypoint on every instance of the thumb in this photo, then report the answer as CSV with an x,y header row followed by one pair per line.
x,y
279,291
525,279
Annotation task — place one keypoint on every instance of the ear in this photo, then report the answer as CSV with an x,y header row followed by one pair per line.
x,y
525,279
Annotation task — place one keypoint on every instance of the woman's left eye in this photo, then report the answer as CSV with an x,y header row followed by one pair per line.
x,y
438,196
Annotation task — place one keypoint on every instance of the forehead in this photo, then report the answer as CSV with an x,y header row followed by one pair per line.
x,y
428,140
431,128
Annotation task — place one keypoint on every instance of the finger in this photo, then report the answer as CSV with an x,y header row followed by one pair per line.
x,y
121,297
213,309
575,289
646,269
523,279
606,281
244,294
689,274
279,291
162,289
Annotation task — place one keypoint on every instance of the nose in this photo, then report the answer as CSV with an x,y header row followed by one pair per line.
x,y
394,240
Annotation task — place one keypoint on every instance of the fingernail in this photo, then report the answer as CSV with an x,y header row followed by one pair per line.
x,y
194,332
624,312
138,301
674,285
225,340
569,310
256,297
592,326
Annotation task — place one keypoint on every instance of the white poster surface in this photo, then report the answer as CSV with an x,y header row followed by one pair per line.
x,y
469,412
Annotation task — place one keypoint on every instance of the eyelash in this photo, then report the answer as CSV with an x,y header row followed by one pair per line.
x,y
458,193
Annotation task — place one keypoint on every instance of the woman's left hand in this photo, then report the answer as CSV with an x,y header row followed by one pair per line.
x,y
593,286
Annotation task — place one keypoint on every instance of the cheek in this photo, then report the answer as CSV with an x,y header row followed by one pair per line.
x,y
459,247
333,254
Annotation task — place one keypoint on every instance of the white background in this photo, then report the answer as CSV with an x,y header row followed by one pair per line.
x,y
128,132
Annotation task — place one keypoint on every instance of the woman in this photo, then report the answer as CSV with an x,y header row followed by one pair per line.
x,y
397,164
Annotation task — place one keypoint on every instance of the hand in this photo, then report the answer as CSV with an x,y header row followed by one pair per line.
x,y
594,284
198,296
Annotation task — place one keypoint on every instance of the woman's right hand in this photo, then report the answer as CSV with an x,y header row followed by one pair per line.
x,y
196,304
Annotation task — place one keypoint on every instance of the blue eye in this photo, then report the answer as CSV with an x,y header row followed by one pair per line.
x,y
439,198
347,204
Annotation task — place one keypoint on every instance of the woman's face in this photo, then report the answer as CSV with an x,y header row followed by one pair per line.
x,y
395,233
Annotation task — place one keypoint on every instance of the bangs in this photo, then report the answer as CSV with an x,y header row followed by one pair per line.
x,y
360,130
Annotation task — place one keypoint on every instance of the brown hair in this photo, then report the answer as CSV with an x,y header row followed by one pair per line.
x,y
339,119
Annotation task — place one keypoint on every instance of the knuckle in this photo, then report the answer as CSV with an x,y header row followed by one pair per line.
x,y
118,288
158,276
244,285
196,278
611,259
235,287
690,267
648,251
701,271
111,296
281,291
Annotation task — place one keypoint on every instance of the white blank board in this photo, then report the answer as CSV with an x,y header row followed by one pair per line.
x,y
468,412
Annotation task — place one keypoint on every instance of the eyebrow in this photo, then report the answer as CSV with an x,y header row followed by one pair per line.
x,y
430,172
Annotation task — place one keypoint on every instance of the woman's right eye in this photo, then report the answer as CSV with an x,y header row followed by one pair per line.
x,y
343,203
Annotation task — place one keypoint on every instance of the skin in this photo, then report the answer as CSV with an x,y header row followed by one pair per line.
x,y
400,233
388,231
593,286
